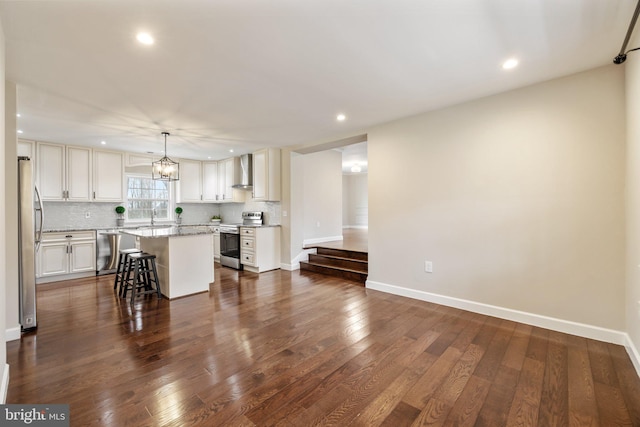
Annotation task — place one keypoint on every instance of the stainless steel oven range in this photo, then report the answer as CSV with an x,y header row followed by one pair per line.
x,y
230,239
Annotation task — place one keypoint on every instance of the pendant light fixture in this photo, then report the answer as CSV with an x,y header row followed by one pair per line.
x,y
166,169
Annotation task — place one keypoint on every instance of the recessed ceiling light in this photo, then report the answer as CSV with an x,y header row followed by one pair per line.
x,y
103,142
341,117
231,150
145,38
510,64
209,157
19,131
18,115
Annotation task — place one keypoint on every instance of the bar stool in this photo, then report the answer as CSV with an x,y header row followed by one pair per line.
x,y
144,274
123,265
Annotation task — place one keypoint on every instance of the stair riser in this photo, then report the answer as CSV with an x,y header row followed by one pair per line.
x,y
362,256
331,262
359,277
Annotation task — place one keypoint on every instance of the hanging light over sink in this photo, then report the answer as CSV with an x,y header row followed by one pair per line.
x,y
165,169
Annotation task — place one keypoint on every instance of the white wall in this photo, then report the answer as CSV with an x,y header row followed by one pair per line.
x,y
322,181
517,199
632,307
4,368
12,313
355,201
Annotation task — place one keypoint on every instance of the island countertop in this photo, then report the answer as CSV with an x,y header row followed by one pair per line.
x,y
173,231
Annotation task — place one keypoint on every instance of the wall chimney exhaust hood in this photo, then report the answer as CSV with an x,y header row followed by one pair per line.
x,y
246,172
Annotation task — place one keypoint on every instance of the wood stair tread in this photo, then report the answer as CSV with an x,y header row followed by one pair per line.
x,y
341,258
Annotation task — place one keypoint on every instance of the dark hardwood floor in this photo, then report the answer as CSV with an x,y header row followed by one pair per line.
x,y
281,348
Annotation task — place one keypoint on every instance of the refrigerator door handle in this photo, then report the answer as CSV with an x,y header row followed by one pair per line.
x,y
40,209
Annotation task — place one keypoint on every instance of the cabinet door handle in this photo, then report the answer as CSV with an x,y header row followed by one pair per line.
x,y
94,195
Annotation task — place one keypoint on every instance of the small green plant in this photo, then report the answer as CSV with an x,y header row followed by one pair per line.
x,y
178,211
216,217
120,210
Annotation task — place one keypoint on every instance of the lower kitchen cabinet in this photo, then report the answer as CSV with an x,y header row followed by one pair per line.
x,y
260,248
216,243
66,255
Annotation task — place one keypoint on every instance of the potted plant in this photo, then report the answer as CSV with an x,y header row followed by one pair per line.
x,y
178,213
216,219
120,211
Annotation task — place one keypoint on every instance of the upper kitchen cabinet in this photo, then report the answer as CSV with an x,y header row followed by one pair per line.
x,y
198,182
209,181
229,174
190,183
108,176
266,175
27,149
136,159
64,172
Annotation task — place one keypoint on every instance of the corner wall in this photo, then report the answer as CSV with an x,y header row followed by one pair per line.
x,y
517,199
12,312
4,368
632,306
322,180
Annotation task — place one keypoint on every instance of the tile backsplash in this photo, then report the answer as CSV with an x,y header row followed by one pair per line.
x,y
62,215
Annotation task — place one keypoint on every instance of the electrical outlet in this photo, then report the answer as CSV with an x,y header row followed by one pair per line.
x,y
428,266
87,214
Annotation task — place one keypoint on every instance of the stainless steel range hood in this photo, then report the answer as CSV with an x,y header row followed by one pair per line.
x,y
246,172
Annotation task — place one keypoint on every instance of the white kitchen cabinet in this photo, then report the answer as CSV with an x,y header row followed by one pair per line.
x,y
64,172
260,248
190,183
198,182
27,149
108,177
136,159
209,181
66,255
266,175
216,243
229,174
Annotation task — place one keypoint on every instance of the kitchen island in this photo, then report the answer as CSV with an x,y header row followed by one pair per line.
x,y
184,257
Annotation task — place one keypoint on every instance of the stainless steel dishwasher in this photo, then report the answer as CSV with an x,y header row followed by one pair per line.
x,y
108,245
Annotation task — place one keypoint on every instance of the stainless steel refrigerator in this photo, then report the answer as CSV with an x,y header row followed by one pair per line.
x,y
30,219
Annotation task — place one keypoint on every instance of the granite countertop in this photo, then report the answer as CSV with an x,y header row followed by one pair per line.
x,y
173,231
145,227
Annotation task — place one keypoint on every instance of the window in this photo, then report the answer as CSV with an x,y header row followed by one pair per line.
x,y
145,195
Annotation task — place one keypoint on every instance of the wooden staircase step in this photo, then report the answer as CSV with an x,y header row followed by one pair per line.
x,y
345,273
344,253
337,261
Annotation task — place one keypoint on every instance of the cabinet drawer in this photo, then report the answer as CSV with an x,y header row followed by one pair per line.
x,y
244,231
247,258
59,236
247,243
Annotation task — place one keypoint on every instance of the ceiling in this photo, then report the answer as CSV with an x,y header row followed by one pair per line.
x,y
242,75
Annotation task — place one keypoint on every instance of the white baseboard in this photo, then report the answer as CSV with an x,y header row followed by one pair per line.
x,y
4,386
360,227
12,334
560,325
307,242
633,352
